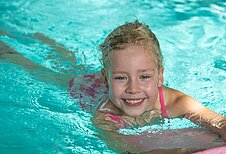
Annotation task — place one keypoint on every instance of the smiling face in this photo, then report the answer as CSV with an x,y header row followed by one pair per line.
x,y
133,80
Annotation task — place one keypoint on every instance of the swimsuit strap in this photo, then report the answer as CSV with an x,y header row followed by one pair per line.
x,y
162,103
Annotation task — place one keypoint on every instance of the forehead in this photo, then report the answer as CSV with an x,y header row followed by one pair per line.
x,y
132,57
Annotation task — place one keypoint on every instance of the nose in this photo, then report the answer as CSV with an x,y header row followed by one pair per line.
x,y
133,86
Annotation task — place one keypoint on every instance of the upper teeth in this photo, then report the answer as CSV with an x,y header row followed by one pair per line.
x,y
133,101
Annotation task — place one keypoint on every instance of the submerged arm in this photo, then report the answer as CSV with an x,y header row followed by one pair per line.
x,y
43,73
150,142
62,53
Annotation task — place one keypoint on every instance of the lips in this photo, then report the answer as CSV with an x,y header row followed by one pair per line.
x,y
133,102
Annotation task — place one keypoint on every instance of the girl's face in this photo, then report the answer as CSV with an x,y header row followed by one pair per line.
x,y
133,80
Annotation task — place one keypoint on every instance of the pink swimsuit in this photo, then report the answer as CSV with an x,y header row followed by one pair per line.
x,y
89,89
162,103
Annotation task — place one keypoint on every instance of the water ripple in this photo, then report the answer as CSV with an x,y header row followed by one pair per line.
x,y
220,64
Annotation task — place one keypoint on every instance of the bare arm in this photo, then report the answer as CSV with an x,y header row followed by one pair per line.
x,y
191,109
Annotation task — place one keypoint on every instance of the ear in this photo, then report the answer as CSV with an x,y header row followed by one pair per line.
x,y
104,75
161,78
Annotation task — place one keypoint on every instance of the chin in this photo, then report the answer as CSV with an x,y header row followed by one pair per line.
x,y
137,114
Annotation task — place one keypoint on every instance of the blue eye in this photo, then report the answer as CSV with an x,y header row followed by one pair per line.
x,y
120,78
144,77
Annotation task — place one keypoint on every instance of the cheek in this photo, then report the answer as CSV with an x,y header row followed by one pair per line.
x,y
152,89
114,89
152,92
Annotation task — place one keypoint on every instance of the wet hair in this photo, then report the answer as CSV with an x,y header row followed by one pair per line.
x,y
131,33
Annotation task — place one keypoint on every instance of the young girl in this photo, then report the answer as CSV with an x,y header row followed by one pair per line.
x,y
133,73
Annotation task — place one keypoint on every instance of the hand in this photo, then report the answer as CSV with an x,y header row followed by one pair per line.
x,y
147,117
108,121
223,133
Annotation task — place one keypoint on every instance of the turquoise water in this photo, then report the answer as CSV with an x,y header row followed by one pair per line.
x,y
37,116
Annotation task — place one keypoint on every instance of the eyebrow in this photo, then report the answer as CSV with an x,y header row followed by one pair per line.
x,y
140,71
146,70
119,72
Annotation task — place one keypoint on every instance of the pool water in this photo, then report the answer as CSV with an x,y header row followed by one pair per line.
x,y
38,116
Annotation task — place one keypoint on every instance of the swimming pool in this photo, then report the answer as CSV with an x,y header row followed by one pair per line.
x,y
37,116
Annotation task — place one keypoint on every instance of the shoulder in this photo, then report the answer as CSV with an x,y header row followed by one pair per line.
x,y
178,103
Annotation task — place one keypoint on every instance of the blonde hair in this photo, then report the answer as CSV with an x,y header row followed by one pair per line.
x,y
131,33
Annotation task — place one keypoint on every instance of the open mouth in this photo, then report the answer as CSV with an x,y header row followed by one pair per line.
x,y
133,102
